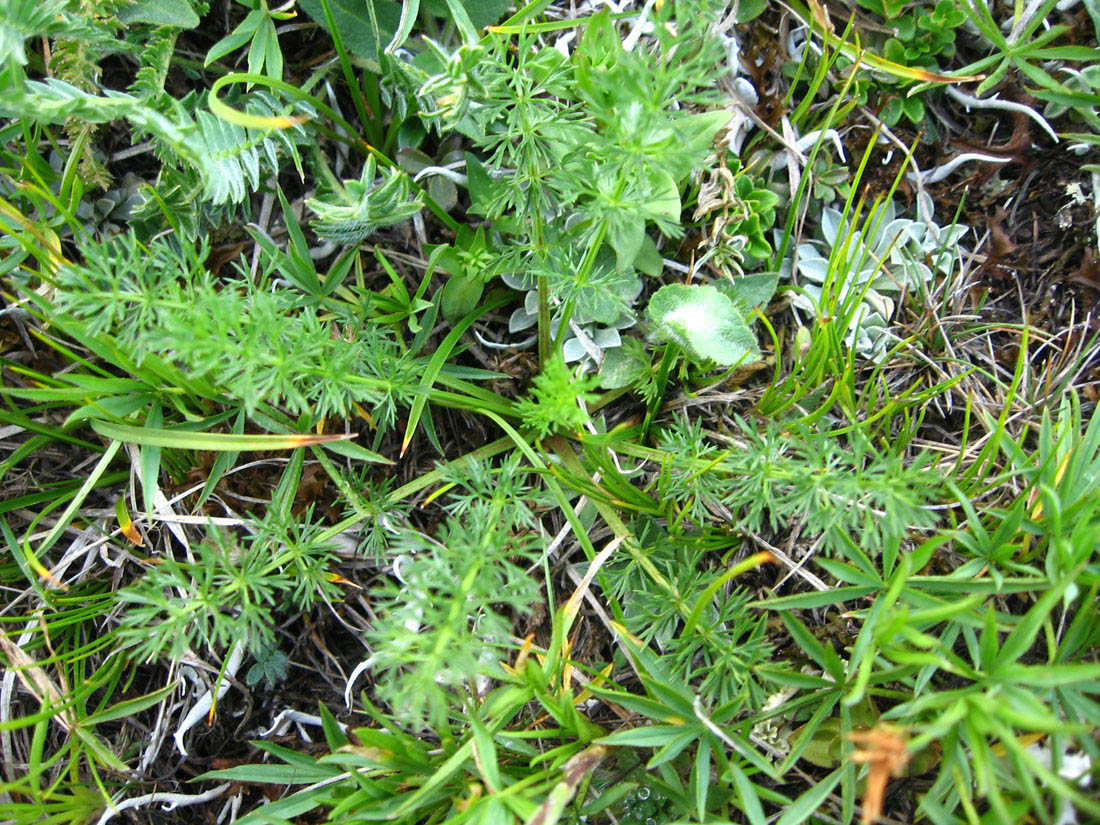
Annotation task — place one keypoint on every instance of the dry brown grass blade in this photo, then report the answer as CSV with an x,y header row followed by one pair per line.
x,y
34,679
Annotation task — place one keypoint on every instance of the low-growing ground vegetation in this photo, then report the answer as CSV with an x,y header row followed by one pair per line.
x,y
462,413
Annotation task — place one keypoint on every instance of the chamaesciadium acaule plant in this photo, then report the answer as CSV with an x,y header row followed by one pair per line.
x,y
468,413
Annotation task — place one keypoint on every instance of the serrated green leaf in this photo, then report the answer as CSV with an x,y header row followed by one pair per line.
x,y
704,322
353,19
177,14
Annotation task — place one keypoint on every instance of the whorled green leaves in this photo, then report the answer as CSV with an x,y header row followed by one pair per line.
x,y
363,206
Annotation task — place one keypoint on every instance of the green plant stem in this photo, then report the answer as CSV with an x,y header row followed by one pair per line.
x,y
544,319
369,123
568,458
583,275
668,358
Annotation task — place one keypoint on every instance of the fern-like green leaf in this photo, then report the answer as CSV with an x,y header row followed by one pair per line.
x,y
233,160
